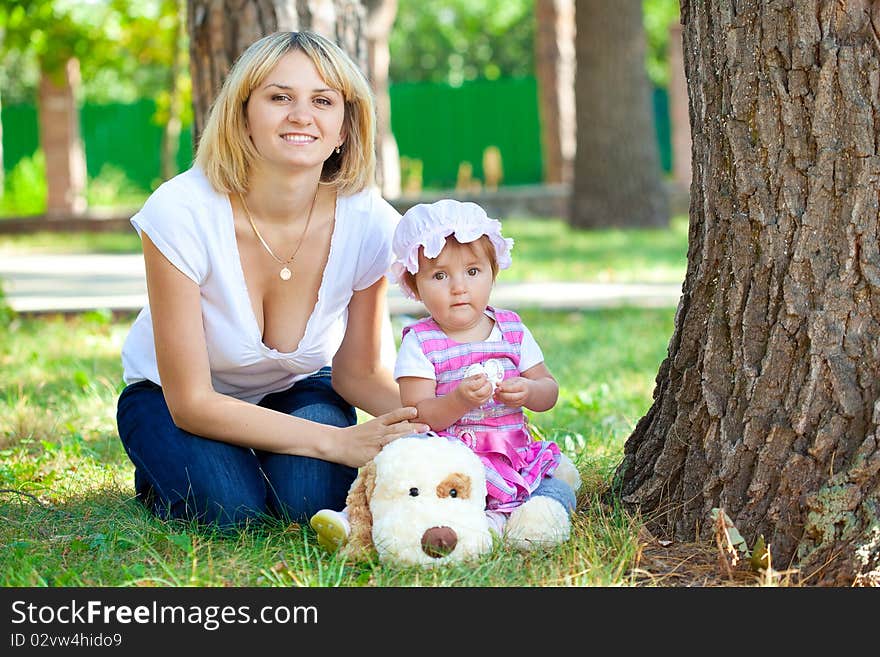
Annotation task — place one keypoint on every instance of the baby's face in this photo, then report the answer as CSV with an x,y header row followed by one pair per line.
x,y
455,286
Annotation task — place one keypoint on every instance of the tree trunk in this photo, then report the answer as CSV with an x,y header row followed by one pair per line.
x,y
61,142
768,403
554,69
617,172
220,30
380,20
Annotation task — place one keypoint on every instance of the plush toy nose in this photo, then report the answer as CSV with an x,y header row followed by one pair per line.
x,y
437,542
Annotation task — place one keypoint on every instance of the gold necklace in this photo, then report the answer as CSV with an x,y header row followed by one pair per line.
x,y
285,272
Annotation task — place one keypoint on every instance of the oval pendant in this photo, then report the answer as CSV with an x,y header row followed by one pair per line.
x,y
285,274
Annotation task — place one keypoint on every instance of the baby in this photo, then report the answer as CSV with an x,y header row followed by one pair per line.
x,y
470,369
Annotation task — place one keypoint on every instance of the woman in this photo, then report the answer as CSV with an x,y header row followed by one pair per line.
x,y
265,269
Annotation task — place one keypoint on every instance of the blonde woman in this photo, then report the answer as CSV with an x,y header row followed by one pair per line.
x,y
265,269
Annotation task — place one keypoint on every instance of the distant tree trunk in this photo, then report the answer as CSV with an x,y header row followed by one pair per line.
x,y
768,403
220,30
380,19
554,69
617,172
61,141
678,112
171,132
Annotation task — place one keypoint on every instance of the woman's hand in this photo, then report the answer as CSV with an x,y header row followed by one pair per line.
x,y
361,442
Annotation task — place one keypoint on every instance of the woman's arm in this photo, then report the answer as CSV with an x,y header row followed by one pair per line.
x,y
359,375
536,389
182,358
440,412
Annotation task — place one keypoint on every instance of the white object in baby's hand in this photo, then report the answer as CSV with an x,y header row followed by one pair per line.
x,y
493,370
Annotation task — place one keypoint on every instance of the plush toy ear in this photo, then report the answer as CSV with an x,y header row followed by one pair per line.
x,y
360,541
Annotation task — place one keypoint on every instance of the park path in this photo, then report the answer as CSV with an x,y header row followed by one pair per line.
x,y
69,283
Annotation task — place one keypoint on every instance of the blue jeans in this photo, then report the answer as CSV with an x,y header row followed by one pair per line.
x,y
182,475
558,490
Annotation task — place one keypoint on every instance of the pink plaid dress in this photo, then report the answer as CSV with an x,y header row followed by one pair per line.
x,y
515,464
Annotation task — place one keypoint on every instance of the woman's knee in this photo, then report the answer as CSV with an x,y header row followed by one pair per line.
x,y
214,500
300,485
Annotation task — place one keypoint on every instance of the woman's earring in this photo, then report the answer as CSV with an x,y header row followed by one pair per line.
x,y
339,149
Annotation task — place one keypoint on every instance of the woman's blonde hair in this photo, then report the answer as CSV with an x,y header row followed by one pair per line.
x,y
225,152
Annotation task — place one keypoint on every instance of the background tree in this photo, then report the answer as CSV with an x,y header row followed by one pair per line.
x,y
125,50
554,70
617,173
768,403
380,19
54,35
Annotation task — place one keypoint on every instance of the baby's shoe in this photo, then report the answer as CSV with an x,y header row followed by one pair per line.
x,y
540,522
332,528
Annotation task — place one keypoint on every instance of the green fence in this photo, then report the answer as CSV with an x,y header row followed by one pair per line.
x,y
439,125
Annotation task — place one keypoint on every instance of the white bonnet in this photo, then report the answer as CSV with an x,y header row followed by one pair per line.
x,y
429,224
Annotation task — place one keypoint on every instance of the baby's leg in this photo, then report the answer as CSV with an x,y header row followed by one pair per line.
x,y
559,490
543,520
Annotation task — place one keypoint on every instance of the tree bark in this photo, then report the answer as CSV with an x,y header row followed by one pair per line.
x,y
220,30
617,172
768,403
554,69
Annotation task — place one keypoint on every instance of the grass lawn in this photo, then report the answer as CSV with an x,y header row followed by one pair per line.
x,y
69,517
544,250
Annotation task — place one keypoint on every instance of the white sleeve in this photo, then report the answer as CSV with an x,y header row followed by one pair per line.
x,y
169,218
411,360
376,256
530,353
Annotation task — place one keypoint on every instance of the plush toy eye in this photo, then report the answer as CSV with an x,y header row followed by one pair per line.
x,y
414,492
453,493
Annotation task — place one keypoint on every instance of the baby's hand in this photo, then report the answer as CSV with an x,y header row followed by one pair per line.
x,y
513,391
475,390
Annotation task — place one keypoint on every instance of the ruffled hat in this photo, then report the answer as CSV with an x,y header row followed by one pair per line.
x,y
428,225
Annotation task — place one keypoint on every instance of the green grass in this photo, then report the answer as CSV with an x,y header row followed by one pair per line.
x,y
71,518
544,250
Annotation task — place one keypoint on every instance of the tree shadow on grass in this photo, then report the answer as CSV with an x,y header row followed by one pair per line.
x,y
107,537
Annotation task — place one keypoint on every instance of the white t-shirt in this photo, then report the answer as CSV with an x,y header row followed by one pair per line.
x,y
411,360
192,225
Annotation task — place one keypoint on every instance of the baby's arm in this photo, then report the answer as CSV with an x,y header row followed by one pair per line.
x,y
536,389
440,412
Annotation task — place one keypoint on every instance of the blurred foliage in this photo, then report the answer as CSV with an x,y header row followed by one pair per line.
x,y
24,188
658,15
456,40
125,47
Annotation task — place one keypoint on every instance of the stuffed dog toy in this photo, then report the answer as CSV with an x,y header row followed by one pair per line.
x,y
420,501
